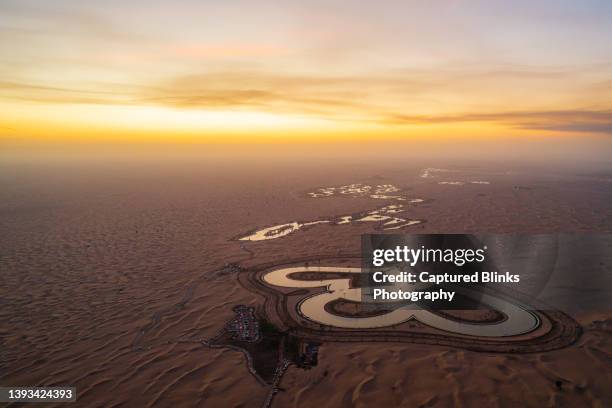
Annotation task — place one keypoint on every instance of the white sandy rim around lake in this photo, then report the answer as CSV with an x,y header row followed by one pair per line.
x,y
519,320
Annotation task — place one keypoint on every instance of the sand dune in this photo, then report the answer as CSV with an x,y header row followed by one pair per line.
x,y
112,280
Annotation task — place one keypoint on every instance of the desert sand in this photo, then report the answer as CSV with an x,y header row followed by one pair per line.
x,y
117,279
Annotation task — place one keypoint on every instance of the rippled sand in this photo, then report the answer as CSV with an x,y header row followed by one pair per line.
x,y
112,277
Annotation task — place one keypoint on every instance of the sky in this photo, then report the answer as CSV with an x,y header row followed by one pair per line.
x,y
236,71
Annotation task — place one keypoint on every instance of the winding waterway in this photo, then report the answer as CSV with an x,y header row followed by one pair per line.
x,y
518,320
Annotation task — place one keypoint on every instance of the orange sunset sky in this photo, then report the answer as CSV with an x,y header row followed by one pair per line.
x,y
252,70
